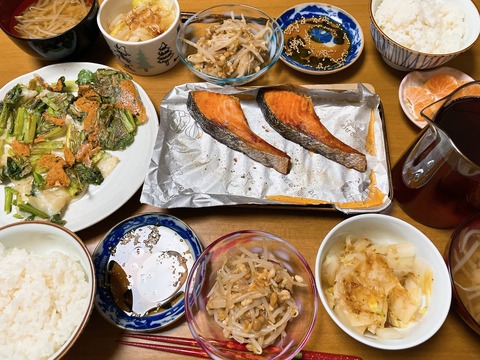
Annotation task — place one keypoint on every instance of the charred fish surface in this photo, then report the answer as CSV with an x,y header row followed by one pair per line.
x,y
293,116
221,116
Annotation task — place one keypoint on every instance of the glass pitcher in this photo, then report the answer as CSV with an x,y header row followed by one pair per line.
x,y
437,180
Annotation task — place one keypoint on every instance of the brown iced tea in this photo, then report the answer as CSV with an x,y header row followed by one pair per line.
x,y
437,181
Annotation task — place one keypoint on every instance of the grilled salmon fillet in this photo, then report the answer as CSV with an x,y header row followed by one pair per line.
x,y
293,116
222,117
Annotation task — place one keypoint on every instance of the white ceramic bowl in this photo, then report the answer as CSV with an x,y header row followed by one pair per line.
x,y
149,57
40,237
384,228
402,58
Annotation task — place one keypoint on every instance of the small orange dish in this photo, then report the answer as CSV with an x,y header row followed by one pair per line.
x,y
420,89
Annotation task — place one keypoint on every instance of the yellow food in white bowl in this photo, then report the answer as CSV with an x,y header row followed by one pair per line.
x,y
382,281
376,288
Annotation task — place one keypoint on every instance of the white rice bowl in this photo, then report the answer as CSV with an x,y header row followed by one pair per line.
x,y
417,35
46,290
414,25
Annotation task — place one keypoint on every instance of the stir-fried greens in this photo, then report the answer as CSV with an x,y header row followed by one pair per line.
x,y
54,138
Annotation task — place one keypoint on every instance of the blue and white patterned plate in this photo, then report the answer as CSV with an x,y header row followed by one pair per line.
x,y
320,39
141,266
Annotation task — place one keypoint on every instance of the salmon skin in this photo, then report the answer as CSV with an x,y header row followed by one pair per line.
x,y
293,116
222,117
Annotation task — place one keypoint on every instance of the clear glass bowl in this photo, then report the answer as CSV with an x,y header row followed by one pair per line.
x,y
204,274
194,28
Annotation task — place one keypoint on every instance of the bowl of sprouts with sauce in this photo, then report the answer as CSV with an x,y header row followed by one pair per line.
x,y
50,30
230,44
251,293
463,260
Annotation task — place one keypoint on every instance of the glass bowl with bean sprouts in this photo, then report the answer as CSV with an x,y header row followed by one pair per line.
x,y
249,295
463,260
230,44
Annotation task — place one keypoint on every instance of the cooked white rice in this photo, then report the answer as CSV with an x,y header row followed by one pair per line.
x,y
42,300
430,26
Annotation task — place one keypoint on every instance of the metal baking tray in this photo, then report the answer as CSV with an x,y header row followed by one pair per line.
x,y
191,169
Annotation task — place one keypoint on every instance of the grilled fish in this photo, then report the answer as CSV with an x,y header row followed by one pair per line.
x,y
222,117
293,116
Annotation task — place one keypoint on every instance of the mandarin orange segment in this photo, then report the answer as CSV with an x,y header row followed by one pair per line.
x,y
463,82
433,108
419,106
441,84
419,97
415,94
470,90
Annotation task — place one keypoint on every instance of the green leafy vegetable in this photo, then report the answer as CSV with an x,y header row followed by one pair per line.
x,y
85,77
9,104
54,139
9,194
76,184
17,168
117,128
89,175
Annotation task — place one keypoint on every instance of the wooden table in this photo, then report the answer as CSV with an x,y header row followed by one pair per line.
x,y
305,229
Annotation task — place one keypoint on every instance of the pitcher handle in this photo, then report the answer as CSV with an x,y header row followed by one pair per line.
x,y
423,161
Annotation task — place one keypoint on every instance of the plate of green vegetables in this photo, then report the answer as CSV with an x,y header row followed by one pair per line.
x,y
75,143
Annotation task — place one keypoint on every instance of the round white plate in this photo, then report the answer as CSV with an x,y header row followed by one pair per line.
x,y
100,201
418,78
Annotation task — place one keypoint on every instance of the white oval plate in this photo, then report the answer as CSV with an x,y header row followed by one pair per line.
x,y
100,201
418,78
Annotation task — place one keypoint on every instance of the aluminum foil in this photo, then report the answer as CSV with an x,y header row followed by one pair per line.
x,y
189,168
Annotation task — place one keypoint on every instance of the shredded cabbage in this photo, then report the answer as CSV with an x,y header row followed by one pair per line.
x,y
376,288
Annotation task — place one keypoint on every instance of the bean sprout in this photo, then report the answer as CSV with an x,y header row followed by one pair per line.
x,y
46,18
252,299
233,48
467,271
